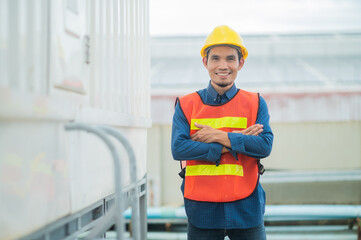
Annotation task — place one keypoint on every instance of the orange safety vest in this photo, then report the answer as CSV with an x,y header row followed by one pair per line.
x,y
233,179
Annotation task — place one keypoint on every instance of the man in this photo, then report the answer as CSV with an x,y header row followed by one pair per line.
x,y
221,132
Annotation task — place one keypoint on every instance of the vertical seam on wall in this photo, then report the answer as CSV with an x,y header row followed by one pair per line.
x,y
47,74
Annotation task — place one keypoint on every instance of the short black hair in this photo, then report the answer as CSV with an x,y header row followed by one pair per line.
x,y
239,51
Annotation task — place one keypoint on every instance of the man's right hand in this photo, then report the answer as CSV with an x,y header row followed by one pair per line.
x,y
253,130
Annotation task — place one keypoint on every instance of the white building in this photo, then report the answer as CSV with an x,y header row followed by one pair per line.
x,y
67,62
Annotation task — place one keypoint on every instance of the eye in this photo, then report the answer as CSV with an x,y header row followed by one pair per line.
x,y
231,58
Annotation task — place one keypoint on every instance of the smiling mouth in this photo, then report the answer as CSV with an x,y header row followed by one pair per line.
x,y
223,74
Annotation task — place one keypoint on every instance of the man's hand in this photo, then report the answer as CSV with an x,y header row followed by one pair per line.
x,y
208,134
254,130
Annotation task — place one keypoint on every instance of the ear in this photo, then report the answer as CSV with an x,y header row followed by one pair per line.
x,y
241,63
205,62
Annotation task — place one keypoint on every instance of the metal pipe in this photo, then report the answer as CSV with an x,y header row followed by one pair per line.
x,y
272,213
133,175
117,177
310,212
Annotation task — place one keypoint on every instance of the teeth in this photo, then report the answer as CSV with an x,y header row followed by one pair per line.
x,y
223,74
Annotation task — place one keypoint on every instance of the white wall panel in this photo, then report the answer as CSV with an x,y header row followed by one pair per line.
x,y
13,56
34,176
4,43
120,51
23,45
43,68
68,36
116,56
91,169
91,165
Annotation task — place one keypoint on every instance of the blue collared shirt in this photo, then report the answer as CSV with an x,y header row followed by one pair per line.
x,y
245,213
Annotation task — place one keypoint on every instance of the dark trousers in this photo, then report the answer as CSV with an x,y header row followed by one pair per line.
x,y
256,233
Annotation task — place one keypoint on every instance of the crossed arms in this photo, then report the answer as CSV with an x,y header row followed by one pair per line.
x,y
208,143
208,134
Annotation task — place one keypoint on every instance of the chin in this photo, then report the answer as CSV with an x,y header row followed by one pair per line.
x,y
223,84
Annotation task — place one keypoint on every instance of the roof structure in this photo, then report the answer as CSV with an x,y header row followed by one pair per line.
x,y
297,61
303,77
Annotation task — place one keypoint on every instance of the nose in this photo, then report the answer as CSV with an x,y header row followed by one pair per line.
x,y
223,64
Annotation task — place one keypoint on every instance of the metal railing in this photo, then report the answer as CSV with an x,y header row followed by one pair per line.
x,y
115,213
93,221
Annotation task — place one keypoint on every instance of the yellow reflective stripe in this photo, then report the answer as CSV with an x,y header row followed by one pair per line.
x,y
213,170
224,122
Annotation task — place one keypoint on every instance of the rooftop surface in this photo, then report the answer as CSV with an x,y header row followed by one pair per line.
x,y
298,60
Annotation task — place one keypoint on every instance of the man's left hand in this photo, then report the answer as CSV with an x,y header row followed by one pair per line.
x,y
208,134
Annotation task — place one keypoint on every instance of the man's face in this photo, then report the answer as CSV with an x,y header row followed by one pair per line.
x,y
222,64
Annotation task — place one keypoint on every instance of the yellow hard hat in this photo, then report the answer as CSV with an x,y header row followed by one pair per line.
x,y
223,35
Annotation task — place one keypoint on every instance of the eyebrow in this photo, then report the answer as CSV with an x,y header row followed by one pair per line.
x,y
231,56
227,57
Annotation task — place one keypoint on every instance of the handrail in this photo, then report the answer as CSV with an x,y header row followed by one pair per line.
x,y
133,170
119,206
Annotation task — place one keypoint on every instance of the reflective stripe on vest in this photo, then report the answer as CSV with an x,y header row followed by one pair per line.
x,y
213,170
223,122
231,180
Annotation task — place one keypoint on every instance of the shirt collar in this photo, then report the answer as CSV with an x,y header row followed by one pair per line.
x,y
229,94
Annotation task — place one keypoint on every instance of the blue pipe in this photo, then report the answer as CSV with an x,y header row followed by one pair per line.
x,y
311,212
272,213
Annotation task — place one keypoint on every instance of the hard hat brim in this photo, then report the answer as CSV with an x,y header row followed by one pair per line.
x,y
243,49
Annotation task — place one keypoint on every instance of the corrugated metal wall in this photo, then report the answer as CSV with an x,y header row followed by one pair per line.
x,y
119,50
68,60
107,41
23,47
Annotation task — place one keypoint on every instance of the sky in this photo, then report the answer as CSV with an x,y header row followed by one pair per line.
x,y
199,17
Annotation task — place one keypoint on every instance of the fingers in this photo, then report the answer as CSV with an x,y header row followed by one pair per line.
x,y
205,134
201,137
256,133
194,137
254,130
200,125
